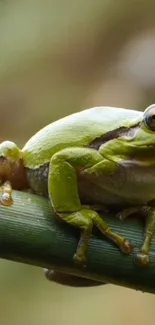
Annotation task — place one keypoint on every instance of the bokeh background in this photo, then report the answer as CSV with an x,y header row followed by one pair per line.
x,y
58,57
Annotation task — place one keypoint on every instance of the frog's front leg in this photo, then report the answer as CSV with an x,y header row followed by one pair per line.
x,y
63,193
6,198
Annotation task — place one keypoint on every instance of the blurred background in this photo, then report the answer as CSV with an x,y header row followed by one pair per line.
x,y
56,58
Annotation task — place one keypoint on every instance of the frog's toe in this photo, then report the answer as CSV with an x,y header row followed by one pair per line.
x,y
127,247
6,199
142,260
122,215
80,259
119,215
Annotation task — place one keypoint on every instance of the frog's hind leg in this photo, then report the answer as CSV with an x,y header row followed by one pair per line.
x,y
63,193
142,258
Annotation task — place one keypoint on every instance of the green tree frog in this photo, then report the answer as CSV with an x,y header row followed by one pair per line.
x,y
102,155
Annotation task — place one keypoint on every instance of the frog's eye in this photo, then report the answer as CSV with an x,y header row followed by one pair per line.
x,y
149,117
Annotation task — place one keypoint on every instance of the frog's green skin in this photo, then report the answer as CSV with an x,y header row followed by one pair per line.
x,y
103,155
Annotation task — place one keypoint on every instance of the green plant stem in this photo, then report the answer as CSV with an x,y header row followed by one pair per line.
x,y
31,233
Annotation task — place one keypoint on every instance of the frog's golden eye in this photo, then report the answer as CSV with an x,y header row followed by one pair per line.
x,y
149,117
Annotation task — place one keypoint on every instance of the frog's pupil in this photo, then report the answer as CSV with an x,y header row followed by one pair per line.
x,y
153,117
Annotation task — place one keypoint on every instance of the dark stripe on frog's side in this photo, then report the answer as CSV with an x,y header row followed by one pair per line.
x,y
114,134
38,178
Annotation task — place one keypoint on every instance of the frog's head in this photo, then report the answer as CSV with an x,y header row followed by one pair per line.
x,y
11,165
134,139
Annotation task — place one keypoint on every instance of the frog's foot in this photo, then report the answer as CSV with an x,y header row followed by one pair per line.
x,y
6,198
142,258
80,255
85,220
125,213
80,219
80,258
126,247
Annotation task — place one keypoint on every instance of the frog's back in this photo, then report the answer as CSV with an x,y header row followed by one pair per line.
x,y
77,129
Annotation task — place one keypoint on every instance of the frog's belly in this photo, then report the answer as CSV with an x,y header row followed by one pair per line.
x,y
131,184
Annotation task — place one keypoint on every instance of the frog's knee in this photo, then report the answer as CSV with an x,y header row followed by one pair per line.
x,y
78,219
57,158
88,224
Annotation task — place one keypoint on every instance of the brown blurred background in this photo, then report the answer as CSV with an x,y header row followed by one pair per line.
x,y
58,57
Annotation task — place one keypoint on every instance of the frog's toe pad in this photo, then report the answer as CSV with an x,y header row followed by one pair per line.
x,y
127,247
120,216
6,199
142,260
80,259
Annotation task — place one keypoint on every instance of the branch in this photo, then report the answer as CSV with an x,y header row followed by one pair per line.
x,y
30,233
